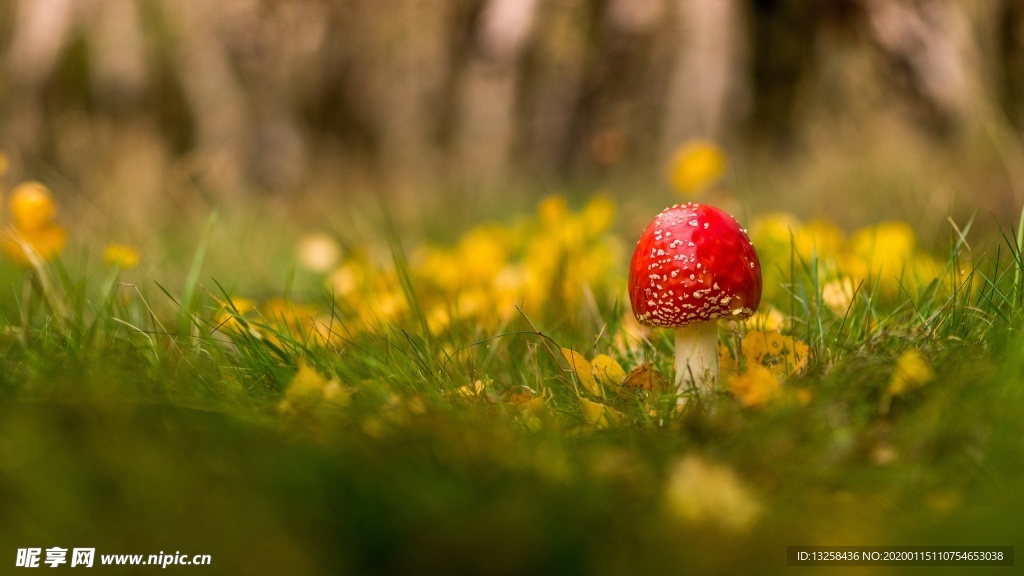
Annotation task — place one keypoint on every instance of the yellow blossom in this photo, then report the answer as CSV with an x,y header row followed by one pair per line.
x,y
838,295
345,280
782,355
233,317
121,256
756,387
819,238
766,319
881,252
318,252
727,365
481,255
598,214
32,247
553,210
695,165
31,206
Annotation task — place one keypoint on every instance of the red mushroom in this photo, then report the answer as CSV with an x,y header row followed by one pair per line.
x,y
693,265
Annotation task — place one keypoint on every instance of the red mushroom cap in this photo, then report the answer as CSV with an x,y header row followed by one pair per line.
x,y
693,263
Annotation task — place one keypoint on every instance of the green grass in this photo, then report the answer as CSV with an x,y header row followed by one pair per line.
x,y
130,423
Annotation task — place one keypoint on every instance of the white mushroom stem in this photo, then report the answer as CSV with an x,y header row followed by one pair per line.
x,y
697,357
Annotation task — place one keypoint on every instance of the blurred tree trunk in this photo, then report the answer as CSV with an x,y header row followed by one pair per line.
x,y
402,66
554,70
708,87
487,92
477,92
216,98
40,31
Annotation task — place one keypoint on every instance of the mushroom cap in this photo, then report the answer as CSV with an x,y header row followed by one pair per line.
x,y
693,263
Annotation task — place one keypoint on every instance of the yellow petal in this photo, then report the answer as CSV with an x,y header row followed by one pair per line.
x,y
32,247
756,387
121,256
838,295
583,370
727,365
318,252
32,206
783,355
695,165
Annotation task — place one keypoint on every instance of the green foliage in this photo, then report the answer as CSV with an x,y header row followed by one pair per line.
x,y
287,437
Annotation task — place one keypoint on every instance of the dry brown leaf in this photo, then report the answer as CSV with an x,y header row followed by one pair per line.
x,y
645,377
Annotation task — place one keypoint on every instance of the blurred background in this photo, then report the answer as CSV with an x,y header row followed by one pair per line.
x,y
854,110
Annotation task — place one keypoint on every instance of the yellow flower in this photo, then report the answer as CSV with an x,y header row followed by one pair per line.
x,y
820,238
782,355
480,256
318,252
695,165
121,256
345,280
756,387
32,206
598,215
838,295
766,319
33,247
228,320
552,210
882,252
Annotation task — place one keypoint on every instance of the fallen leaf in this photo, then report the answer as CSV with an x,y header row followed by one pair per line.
x,y
607,371
471,391
309,390
584,371
645,377
599,415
